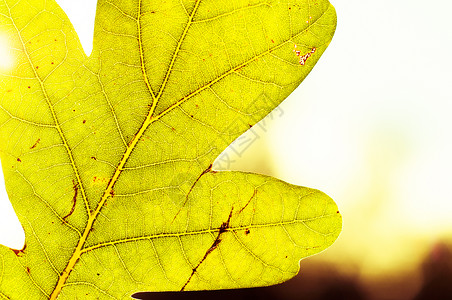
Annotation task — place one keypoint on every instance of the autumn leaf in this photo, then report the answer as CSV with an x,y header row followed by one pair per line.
x,y
107,158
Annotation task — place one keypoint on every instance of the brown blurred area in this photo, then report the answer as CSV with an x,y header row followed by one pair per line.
x,y
437,274
321,281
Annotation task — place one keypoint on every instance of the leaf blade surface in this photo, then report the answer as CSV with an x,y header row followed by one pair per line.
x,y
108,158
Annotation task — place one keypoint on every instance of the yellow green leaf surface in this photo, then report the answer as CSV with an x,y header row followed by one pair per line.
x,y
107,158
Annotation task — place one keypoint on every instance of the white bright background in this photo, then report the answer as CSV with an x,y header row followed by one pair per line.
x,y
370,126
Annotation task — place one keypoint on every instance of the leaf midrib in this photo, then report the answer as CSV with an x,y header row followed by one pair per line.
x,y
131,146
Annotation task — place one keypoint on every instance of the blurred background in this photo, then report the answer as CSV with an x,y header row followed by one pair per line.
x,y
368,127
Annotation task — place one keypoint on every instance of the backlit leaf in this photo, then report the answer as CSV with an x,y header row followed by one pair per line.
x,y
107,159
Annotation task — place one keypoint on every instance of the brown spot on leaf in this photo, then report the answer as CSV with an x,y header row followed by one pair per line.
x,y
74,200
223,228
249,201
209,169
100,180
28,270
20,252
35,144
303,58
238,69
247,231
84,121
19,160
